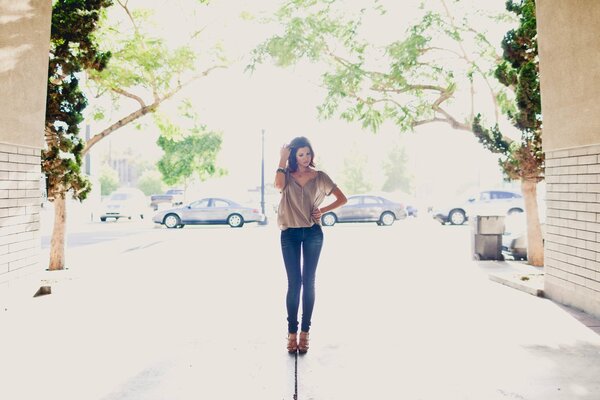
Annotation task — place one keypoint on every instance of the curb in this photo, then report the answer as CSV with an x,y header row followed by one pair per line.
x,y
516,283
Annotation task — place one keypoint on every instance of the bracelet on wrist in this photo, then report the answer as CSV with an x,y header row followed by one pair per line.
x,y
282,170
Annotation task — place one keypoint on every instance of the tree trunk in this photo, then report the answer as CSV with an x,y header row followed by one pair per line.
x,y
535,244
57,244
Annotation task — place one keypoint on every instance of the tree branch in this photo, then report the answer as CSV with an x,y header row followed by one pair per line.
x,y
129,15
409,88
136,29
428,121
453,122
130,95
143,110
470,62
425,50
120,123
444,95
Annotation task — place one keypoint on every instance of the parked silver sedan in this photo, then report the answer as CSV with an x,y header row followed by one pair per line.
x,y
366,208
210,210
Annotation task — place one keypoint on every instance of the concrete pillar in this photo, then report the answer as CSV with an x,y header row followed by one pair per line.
x,y
24,45
569,51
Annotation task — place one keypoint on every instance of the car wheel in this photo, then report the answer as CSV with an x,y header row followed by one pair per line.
x,y
514,211
387,218
457,217
235,221
329,219
171,221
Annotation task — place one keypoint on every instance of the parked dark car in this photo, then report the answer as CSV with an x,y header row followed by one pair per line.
x,y
366,208
211,210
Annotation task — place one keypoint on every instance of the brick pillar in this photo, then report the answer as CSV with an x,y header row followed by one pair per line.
x,y
572,243
20,200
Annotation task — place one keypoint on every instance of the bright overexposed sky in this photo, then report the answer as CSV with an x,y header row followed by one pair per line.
x,y
283,102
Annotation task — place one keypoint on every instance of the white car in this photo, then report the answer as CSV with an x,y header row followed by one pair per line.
x,y
125,203
487,202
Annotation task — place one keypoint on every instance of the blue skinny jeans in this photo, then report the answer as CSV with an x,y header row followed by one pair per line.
x,y
301,248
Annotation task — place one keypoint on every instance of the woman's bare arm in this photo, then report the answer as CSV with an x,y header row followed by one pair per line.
x,y
280,176
340,200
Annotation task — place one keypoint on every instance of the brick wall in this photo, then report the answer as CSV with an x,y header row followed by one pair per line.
x,y
20,198
572,243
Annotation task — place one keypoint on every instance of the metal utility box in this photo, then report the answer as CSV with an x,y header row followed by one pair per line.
x,y
488,224
486,237
487,247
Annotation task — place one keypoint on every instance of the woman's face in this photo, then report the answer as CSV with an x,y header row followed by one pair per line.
x,y
303,156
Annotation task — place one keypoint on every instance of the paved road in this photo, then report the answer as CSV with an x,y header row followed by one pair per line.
x,y
402,313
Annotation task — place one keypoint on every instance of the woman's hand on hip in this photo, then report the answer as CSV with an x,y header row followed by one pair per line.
x,y
316,214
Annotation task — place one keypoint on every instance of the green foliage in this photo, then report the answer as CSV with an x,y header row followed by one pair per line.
x,y
146,69
73,49
150,182
353,177
109,180
188,155
140,59
409,80
306,34
520,71
396,171
492,139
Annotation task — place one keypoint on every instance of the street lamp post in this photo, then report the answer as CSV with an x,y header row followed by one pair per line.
x,y
262,178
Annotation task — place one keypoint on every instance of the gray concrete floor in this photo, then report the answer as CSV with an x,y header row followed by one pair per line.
x,y
198,313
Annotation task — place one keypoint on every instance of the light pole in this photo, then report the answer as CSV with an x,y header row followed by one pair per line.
x,y
262,178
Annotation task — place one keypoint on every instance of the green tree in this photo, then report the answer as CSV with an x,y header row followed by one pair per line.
x,y
73,49
427,74
144,71
150,182
523,159
354,177
396,173
188,153
109,180
431,74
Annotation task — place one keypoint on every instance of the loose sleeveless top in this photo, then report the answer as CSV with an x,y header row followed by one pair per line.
x,y
297,202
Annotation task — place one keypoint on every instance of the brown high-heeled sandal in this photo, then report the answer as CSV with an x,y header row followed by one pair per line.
x,y
292,343
303,343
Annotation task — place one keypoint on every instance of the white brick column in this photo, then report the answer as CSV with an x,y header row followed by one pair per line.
x,y
20,200
572,244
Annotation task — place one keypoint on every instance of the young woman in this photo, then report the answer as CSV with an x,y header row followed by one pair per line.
x,y
303,189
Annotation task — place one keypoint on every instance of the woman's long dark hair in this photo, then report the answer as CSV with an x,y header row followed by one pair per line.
x,y
295,144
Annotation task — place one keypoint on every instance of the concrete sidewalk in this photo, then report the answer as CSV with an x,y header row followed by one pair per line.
x,y
195,314
529,279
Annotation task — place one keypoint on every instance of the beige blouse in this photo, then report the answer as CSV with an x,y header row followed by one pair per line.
x,y
297,202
